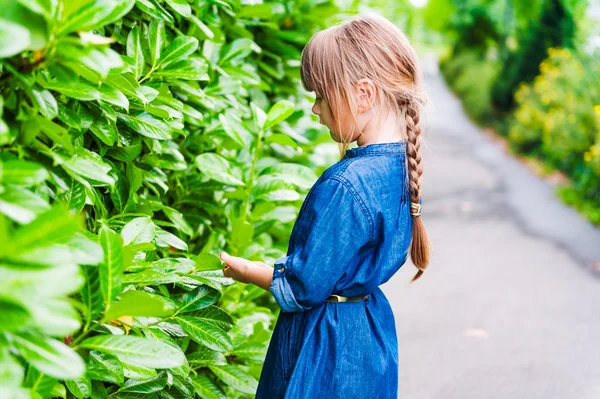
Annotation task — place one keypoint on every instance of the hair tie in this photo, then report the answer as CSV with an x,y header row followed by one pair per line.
x,y
416,209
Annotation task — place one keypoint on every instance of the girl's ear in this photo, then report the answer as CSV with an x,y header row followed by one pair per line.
x,y
365,93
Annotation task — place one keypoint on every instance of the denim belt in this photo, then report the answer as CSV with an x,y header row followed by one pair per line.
x,y
339,298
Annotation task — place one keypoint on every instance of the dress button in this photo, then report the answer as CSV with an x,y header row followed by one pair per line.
x,y
282,269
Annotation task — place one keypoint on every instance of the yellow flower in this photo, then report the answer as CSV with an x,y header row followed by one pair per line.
x,y
597,109
545,99
587,157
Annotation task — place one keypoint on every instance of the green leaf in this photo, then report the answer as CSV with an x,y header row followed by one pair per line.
x,y
138,230
75,196
137,351
91,294
77,90
206,357
84,249
212,278
178,220
75,250
92,63
99,390
120,194
205,333
208,261
190,69
53,226
147,125
39,382
298,175
238,49
127,84
13,316
236,378
181,7
202,26
150,277
113,96
22,173
80,388
43,7
241,232
111,270
87,164
57,133
280,138
55,317
104,367
279,112
263,11
94,14
206,388
22,205
270,188
28,285
154,9
179,49
45,102
134,50
155,384
59,391
156,33
14,38
50,356
138,373
105,131
259,115
140,303
217,168
214,315
232,131
198,299
255,352
183,383
165,239
131,149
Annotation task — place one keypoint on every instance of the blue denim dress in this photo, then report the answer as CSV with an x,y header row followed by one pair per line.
x,y
351,235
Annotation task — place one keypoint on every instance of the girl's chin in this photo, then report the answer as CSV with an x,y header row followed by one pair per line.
x,y
335,137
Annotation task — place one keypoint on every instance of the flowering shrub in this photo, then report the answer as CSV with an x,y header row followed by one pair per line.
x,y
558,118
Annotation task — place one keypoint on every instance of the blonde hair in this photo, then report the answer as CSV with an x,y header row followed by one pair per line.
x,y
374,48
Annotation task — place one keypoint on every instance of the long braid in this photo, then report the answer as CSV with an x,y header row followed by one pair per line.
x,y
419,250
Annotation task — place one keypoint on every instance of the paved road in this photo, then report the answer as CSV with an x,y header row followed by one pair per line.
x,y
510,307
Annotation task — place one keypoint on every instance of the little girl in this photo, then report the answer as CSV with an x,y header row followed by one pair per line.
x,y
335,337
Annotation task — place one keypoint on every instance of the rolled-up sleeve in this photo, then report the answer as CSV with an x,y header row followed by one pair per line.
x,y
331,236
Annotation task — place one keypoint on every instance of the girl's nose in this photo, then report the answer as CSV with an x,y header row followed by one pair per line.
x,y
315,109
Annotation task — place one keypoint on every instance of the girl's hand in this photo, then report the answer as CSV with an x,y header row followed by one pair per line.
x,y
247,271
237,268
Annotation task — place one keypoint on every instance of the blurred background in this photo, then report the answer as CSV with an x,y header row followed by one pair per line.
x,y
139,138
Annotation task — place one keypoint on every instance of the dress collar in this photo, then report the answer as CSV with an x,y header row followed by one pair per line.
x,y
398,147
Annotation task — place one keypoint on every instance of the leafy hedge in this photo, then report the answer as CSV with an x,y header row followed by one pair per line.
x,y
133,148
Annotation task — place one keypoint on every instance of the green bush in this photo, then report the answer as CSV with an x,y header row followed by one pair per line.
x,y
555,28
558,119
133,149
